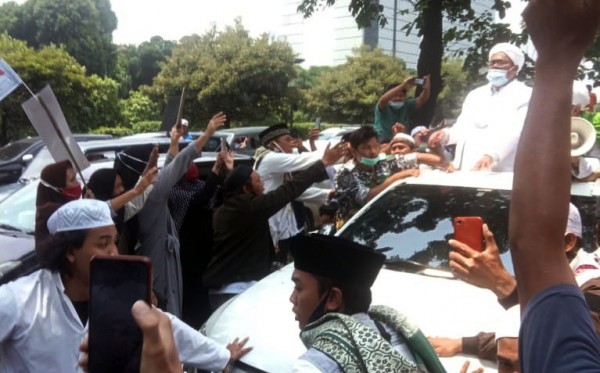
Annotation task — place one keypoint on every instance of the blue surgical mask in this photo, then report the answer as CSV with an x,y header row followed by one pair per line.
x,y
497,77
396,105
369,162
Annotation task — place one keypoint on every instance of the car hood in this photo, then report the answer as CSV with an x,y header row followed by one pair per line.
x,y
14,245
439,306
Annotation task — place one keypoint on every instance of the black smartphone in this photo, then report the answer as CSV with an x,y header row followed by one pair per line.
x,y
115,340
318,123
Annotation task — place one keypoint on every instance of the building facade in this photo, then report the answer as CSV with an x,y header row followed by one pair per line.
x,y
330,35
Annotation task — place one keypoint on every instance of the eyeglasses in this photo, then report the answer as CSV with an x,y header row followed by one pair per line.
x,y
500,63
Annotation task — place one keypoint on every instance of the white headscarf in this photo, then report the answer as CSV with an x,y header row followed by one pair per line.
x,y
513,52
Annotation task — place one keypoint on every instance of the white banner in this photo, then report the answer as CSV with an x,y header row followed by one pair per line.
x,y
57,136
9,80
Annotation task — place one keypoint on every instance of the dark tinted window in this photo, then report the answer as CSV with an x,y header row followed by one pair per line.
x,y
12,150
415,221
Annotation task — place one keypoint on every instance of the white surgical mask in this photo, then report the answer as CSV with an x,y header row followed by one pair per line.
x,y
396,104
497,77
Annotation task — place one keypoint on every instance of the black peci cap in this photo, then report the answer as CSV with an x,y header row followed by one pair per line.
x,y
336,258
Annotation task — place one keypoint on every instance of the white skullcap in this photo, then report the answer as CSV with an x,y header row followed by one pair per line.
x,y
403,137
513,52
80,214
417,129
574,221
509,324
184,122
581,96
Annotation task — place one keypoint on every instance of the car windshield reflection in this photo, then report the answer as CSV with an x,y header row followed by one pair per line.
x,y
415,221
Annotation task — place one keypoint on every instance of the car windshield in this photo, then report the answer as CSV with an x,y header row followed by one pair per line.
x,y
41,160
18,209
12,150
418,221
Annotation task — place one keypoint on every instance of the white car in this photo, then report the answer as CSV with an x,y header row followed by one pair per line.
x,y
411,222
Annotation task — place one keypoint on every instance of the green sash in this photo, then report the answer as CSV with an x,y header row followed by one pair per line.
x,y
358,349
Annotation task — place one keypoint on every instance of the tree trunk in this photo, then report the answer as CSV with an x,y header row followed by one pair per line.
x,y
430,57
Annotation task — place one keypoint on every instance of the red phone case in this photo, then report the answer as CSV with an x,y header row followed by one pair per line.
x,y
467,229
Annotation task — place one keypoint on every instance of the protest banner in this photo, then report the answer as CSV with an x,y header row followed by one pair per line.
x,y
9,80
44,112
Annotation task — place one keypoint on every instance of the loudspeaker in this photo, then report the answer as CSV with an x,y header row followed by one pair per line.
x,y
583,136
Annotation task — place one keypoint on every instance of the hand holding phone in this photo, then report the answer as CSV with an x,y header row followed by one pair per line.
x,y
468,230
223,146
116,283
419,81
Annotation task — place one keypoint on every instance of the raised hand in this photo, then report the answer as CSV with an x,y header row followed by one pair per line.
x,y
217,121
562,29
333,154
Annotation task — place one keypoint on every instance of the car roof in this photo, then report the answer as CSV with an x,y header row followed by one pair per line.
x,y
240,130
469,179
486,180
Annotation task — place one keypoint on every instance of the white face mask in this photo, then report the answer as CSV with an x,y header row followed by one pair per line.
x,y
497,77
396,105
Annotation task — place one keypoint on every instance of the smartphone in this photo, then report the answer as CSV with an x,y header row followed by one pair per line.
x,y
223,145
419,81
467,229
318,123
116,283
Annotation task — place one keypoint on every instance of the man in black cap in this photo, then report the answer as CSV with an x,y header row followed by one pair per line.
x,y
342,331
242,241
275,162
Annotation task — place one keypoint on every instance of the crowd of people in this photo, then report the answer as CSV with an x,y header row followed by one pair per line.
x,y
251,220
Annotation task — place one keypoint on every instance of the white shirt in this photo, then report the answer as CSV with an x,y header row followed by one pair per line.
x,y
490,123
40,330
587,166
271,170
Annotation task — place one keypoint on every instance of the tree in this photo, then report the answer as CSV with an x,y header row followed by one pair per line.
x,y
84,27
87,101
349,92
456,87
152,53
230,71
481,31
137,108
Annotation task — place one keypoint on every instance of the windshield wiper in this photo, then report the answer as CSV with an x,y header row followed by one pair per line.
x,y
10,228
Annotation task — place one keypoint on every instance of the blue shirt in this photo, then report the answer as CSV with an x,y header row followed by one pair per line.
x,y
557,334
386,118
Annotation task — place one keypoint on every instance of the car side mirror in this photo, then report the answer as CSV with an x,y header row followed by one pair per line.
x,y
27,158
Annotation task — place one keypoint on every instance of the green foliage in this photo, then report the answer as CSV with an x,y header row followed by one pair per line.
x,y
138,65
348,92
137,108
84,27
146,126
228,71
86,101
117,131
455,90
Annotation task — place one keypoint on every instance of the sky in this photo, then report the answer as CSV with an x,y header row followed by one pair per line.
x,y
139,20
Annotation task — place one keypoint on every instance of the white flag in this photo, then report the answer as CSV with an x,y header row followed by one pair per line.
x,y
9,80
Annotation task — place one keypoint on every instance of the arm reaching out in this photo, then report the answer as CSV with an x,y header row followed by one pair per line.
x,y
560,31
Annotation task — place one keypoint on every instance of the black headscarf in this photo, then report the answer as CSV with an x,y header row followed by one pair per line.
x,y
131,162
102,183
